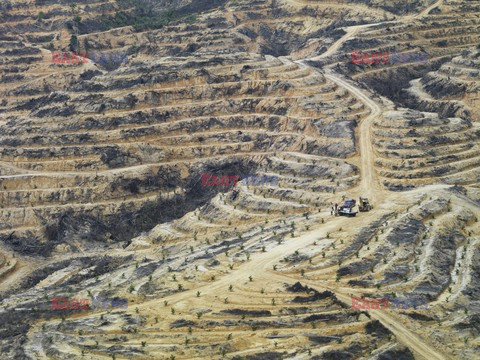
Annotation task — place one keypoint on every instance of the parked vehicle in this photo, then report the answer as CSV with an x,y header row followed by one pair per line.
x,y
348,208
364,205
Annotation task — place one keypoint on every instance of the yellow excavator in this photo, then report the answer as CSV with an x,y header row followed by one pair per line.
x,y
364,205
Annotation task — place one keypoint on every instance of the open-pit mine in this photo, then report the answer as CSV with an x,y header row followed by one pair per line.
x,y
239,179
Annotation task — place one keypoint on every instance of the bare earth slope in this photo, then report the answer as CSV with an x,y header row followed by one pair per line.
x,y
101,192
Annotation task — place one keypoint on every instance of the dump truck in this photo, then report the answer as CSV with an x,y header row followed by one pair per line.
x,y
364,205
348,208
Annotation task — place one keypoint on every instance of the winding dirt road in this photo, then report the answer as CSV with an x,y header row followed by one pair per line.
x,y
427,10
261,263
261,267
370,184
351,31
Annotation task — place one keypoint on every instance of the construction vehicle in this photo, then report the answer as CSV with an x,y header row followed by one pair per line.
x,y
364,205
348,208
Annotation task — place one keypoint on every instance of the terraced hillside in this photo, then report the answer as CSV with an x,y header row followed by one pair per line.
x,y
101,189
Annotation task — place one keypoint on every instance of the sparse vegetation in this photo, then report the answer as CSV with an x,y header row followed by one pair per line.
x,y
102,167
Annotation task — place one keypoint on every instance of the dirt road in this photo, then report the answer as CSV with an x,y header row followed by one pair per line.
x,y
370,184
261,267
412,340
351,31
426,11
